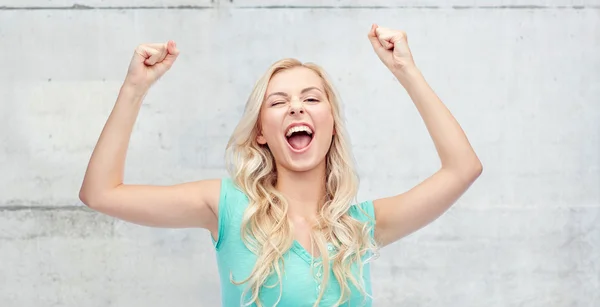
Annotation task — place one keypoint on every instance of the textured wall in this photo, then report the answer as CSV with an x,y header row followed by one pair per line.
x,y
522,78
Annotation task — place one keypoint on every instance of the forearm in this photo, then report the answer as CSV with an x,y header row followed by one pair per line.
x,y
106,167
451,143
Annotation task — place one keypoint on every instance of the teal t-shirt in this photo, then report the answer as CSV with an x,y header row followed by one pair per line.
x,y
300,283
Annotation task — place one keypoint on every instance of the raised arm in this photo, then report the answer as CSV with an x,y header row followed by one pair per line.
x,y
402,214
192,204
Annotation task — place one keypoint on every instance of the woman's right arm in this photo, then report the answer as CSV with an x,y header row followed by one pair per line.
x,y
192,204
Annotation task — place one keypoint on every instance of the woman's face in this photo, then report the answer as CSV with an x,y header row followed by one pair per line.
x,y
296,121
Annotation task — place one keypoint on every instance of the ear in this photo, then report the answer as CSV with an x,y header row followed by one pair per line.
x,y
261,139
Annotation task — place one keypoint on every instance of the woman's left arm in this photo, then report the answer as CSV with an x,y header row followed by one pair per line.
x,y
400,215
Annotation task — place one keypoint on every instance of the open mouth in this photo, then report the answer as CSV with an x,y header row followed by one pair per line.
x,y
299,137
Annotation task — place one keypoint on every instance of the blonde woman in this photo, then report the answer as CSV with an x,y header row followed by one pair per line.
x,y
285,225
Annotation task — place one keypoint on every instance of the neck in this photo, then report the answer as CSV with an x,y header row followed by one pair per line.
x,y
304,191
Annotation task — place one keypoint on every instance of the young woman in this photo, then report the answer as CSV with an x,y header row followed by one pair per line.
x,y
285,225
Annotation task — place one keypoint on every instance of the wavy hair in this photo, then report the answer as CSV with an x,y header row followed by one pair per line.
x,y
266,230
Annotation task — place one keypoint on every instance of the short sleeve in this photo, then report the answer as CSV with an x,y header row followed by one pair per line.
x,y
224,210
364,212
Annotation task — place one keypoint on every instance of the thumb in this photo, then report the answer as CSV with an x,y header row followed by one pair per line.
x,y
172,53
373,38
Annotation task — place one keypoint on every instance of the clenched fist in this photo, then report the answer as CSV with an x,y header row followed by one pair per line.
x,y
150,62
391,46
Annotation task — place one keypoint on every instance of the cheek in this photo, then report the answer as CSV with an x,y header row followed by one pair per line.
x,y
324,120
270,127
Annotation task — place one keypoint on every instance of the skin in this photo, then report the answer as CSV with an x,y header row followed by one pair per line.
x,y
404,213
195,204
297,96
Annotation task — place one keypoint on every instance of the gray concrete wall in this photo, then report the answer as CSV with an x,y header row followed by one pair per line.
x,y
522,77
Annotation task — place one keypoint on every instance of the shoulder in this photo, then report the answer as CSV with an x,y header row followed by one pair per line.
x,y
364,212
230,192
230,196
230,208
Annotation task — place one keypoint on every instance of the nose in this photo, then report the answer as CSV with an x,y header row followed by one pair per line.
x,y
296,107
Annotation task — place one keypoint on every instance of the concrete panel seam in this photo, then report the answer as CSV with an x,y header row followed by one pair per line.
x,y
310,7
87,7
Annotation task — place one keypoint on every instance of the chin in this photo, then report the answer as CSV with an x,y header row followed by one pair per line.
x,y
304,166
307,161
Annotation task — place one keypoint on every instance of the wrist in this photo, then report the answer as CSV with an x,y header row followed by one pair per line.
x,y
407,74
132,93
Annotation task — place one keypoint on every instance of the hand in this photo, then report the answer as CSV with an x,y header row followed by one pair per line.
x,y
392,47
149,63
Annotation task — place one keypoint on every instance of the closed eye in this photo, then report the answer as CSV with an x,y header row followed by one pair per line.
x,y
277,103
312,99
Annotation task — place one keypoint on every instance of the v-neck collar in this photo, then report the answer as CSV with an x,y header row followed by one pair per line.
x,y
306,256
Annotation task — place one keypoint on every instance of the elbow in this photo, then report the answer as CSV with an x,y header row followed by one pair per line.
x,y
470,166
474,170
85,198
468,171
477,168
94,197
89,198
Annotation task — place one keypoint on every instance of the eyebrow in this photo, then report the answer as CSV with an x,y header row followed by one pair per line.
x,y
302,92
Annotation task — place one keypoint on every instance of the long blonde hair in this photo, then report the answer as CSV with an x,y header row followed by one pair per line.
x,y
266,230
